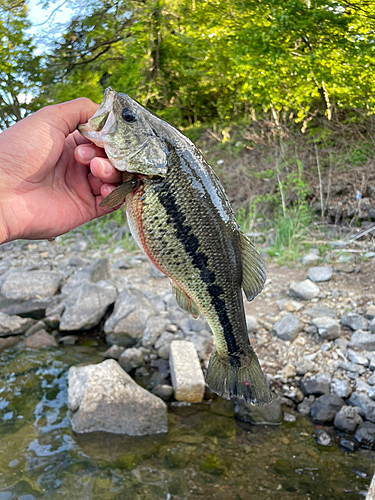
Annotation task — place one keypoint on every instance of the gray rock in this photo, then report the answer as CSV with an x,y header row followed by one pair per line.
x,y
305,407
325,408
97,271
371,379
288,327
322,437
155,326
320,311
310,258
365,435
104,397
351,367
186,372
347,419
371,325
162,345
14,325
303,366
269,414
328,328
127,323
370,312
354,321
357,357
39,325
163,391
31,308
155,273
40,339
366,404
86,305
371,393
7,342
202,342
252,323
320,273
316,385
372,363
363,340
131,358
303,290
68,340
20,285
341,388
293,393
289,417
341,344
113,352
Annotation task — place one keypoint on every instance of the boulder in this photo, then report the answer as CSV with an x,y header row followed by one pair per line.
x,y
365,435
341,388
35,308
303,290
328,328
127,323
261,415
320,273
13,325
104,397
288,327
40,339
316,385
347,419
186,373
354,321
363,340
86,305
325,408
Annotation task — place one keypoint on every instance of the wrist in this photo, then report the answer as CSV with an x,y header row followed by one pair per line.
x,y
5,233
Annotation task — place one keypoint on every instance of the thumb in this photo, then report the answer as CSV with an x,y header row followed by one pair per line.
x,y
68,115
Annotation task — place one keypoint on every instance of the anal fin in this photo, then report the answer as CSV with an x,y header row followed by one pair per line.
x,y
184,301
118,195
253,268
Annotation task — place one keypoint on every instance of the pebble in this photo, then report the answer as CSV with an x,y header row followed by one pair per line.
x,y
322,437
288,327
328,328
303,290
354,321
320,273
363,340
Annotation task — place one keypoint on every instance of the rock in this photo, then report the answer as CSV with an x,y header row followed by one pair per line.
x,y
162,345
357,357
163,391
97,271
371,379
40,339
347,419
293,393
35,308
310,258
328,328
14,325
363,340
127,323
68,340
371,393
288,327
19,285
155,273
289,305
202,342
365,435
305,407
7,342
354,321
114,352
261,415
39,325
104,397
342,344
303,366
252,323
155,326
289,417
372,363
288,372
186,373
317,384
371,325
344,268
131,358
320,311
320,273
366,404
86,305
325,408
351,367
322,437
341,388
370,313
303,290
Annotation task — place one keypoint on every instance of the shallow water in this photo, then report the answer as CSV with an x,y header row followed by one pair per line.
x,y
206,454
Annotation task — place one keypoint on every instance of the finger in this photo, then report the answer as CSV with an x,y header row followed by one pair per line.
x,y
105,190
103,170
86,152
68,115
95,184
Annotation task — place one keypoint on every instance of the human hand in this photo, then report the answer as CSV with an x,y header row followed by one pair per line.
x,y
46,188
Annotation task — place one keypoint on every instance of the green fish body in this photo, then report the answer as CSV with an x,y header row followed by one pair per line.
x,y
180,216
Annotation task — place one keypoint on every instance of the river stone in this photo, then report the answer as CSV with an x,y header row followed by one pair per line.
x,y
269,414
316,385
7,342
305,407
312,257
86,305
202,342
288,327
322,437
131,358
127,323
325,408
341,388
104,397
97,271
14,325
31,308
113,352
354,321
303,290
186,373
371,325
40,339
304,365
328,328
370,312
347,419
163,391
363,340
20,285
365,435
372,363
371,379
320,273
357,357
366,404
320,311
155,326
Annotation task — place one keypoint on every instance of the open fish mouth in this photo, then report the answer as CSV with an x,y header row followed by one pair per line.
x,y
102,122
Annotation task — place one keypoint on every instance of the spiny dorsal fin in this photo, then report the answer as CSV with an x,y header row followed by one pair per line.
x,y
184,301
118,195
253,268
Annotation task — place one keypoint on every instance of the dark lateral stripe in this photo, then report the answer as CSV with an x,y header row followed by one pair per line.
x,y
200,261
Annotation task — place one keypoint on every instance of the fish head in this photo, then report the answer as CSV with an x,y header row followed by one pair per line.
x,y
127,132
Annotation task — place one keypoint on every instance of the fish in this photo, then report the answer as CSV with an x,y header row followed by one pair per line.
x,y
180,217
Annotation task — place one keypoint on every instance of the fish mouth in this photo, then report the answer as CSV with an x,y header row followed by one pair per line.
x,y
102,121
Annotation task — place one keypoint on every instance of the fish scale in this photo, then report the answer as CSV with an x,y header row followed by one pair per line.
x,y
179,215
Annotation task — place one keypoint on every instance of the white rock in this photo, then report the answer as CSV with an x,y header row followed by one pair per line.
x,y
186,373
320,273
303,290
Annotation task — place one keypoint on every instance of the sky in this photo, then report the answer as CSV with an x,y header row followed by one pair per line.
x,y
57,12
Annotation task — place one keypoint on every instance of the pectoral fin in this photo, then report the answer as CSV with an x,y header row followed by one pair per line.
x,y
253,268
184,301
118,195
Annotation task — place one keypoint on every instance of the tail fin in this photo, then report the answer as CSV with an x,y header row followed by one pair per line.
x,y
241,376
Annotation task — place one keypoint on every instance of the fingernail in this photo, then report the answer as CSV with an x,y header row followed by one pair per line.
x,y
107,168
86,153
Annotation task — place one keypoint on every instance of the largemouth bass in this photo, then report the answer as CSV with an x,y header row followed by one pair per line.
x,y
181,218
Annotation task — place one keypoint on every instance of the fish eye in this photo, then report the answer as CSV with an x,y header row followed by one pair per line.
x,y
129,116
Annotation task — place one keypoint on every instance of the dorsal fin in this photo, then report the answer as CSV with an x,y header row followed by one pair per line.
x,y
253,268
118,195
184,301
